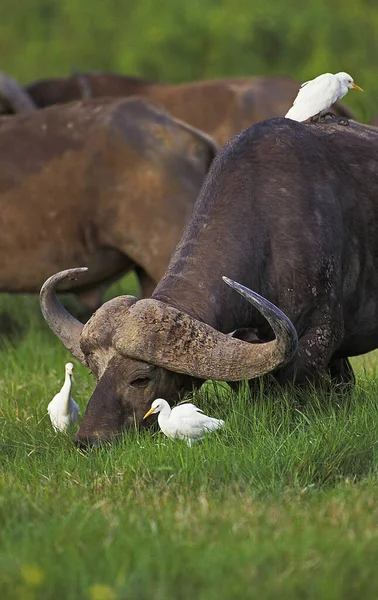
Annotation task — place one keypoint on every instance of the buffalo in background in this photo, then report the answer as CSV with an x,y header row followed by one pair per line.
x,y
220,107
106,183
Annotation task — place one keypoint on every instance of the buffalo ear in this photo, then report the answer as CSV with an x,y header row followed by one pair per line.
x,y
248,334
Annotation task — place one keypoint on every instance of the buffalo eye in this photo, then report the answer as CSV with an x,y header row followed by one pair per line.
x,y
140,382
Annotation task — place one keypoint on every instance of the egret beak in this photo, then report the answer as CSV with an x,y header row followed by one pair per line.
x,y
150,412
357,87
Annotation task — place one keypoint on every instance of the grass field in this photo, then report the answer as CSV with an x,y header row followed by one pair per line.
x,y
282,502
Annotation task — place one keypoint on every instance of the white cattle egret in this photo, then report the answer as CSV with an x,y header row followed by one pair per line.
x,y
317,95
185,422
63,409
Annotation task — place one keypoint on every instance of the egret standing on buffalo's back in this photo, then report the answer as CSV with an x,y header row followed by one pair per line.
x,y
316,96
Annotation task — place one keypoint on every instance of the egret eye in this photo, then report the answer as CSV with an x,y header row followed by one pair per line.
x,y
140,382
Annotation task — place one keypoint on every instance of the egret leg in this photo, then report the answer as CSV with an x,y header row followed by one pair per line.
x,y
343,121
323,117
329,117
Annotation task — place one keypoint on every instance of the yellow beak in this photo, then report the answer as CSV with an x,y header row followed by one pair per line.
x,y
152,410
357,87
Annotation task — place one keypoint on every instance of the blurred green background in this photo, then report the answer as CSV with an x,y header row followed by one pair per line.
x,y
175,41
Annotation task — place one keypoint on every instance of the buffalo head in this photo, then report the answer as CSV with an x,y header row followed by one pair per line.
x,y
140,350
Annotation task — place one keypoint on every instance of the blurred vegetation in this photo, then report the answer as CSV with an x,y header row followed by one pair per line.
x,y
174,41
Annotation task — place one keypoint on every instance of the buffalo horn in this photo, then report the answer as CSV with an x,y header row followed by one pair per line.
x,y
65,326
82,84
13,95
166,337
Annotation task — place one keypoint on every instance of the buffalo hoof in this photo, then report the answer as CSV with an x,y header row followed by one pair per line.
x,y
91,442
85,444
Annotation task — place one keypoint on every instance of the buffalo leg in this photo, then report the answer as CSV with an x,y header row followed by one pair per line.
x,y
341,372
147,285
311,363
10,329
91,299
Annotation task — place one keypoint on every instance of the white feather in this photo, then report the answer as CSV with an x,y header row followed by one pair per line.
x,y
185,421
63,410
318,95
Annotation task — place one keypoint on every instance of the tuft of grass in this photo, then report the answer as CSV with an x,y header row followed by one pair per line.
x,y
282,500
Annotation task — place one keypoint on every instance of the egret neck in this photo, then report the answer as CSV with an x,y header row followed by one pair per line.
x,y
66,393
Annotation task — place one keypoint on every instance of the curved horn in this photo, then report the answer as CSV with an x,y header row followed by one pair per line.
x,y
14,95
65,326
162,335
284,330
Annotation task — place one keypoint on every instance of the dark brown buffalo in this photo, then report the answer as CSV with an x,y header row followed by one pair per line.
x,y
108,183
290,210
220,107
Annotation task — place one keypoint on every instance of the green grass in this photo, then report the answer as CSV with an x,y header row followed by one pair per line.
x,y
282,501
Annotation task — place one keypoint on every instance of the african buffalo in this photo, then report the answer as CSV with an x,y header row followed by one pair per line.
x,y
220,107
107,182
288,209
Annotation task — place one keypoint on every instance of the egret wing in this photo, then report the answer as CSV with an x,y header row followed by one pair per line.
x,y
314,97
53,405
192,421
189,418
185,410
